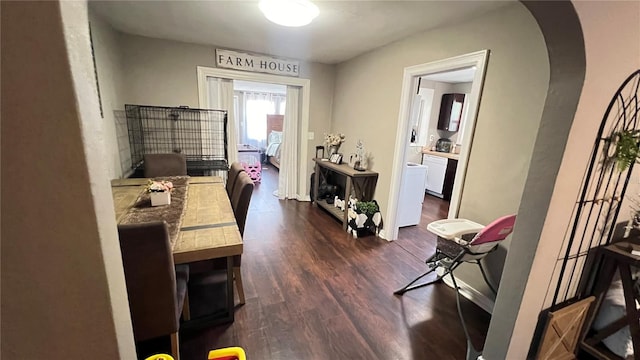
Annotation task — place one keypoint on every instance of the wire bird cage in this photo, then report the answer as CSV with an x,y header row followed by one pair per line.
x,y
199,134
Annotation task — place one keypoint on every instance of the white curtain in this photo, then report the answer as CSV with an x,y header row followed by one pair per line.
x,y
288,179
221,98
255,108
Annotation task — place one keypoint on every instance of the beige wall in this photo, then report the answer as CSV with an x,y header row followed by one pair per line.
x,y
162,72
612,53
109,68
365,109
63,291
367,96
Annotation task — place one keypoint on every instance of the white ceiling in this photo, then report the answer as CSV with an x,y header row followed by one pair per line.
x,y
343,30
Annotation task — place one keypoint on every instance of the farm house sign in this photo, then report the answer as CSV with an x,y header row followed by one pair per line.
x,y
256,63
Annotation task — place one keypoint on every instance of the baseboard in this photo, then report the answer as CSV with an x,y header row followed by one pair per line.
x,y
472,294
383,236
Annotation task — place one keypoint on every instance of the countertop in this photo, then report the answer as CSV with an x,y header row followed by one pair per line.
x,y
441,154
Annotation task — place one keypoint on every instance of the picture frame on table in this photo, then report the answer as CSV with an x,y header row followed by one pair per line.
x,y
336,158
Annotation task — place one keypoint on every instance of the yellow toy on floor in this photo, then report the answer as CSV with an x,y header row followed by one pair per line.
x,y
230,353
160,357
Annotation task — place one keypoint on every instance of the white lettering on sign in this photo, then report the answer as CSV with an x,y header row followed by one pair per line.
x,y
256,63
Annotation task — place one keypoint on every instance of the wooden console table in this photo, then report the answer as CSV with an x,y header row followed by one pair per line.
x,y
359,184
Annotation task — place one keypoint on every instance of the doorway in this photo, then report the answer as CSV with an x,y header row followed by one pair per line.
x,y
292,183
411,136
259,112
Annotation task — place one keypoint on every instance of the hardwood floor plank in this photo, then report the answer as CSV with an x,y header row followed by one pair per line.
x,y
315,292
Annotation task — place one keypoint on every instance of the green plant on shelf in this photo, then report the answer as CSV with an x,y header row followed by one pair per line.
x,y
367,207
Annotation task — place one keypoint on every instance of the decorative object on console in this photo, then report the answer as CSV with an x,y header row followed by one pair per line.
x,y
364,217
320,152
333,142
359,159
327,191
336,158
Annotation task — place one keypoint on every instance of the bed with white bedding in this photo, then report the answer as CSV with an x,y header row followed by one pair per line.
x,y
274,139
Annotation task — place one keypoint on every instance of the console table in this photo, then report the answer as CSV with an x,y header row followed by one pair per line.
x,y
359,184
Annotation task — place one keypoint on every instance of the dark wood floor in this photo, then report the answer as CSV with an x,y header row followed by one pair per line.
x,y
314,292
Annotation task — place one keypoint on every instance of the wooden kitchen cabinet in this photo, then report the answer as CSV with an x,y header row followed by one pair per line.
x,y
450,112
449,179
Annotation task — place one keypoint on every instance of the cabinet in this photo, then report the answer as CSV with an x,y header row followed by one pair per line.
x,y
436,170
441,173
450,112
358,184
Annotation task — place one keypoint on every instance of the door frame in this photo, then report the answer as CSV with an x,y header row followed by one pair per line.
x,y
305,84
479,60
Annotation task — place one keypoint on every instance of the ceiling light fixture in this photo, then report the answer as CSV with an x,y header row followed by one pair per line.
x,y
289,12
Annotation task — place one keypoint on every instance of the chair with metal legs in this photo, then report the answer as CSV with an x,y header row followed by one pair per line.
x,y
459,241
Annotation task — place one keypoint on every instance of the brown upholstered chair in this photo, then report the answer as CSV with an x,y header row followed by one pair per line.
x,y
235,169
156,288
240,199
156,165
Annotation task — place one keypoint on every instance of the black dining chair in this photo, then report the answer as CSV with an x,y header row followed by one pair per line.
x,y
156,288
157,165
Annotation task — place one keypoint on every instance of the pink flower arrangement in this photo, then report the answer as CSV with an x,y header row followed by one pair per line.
x,y
159,186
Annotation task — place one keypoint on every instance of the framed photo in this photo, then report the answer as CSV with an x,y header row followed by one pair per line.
x,y
336,158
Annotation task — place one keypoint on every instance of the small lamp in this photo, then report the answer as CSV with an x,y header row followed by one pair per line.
x,y
319,152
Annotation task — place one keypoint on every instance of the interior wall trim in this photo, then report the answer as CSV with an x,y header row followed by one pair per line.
x,y
479,60
305,84
472,294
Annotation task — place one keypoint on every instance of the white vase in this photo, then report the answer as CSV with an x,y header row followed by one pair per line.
x,y
160,198
333,149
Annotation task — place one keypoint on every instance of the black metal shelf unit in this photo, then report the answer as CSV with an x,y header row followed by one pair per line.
x,y
199,134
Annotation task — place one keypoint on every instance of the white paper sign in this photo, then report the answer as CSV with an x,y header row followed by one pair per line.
x,y
256,63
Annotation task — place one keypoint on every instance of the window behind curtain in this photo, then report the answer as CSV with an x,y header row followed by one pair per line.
x,y
253,110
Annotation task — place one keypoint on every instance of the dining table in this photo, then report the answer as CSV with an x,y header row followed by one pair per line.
x,y
201,223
